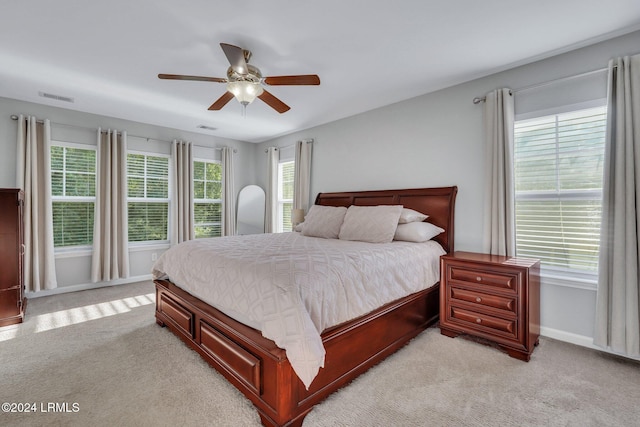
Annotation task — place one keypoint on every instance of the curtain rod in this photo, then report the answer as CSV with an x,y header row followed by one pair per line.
x,y
15,117
308,141
479,99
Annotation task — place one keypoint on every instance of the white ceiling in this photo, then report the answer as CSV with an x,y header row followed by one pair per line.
x,y
368,53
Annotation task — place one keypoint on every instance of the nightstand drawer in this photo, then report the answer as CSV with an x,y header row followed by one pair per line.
x,y
478,321
508,304
478,277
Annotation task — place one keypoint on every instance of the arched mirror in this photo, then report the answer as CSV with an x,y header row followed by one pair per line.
x,y
250,218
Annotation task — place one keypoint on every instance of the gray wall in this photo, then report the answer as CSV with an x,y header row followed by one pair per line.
x,y
437,140
67,125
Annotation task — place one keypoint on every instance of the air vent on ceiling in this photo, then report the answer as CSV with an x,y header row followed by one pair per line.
x,y
56,97
205,127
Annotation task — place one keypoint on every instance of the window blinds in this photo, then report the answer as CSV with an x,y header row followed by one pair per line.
x,y
558,182
148,197
207,199
73,191
286,172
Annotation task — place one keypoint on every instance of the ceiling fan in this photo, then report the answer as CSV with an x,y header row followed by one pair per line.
x,y
245,82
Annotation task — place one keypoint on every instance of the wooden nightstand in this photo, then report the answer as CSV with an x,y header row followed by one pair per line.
x,y
492,297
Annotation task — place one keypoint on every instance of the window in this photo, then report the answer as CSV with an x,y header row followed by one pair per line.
x,y
558,188
285,195
207,199
73,192
148,197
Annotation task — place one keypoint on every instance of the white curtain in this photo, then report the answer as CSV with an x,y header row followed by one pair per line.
x,y
617,309
499,206
271,200
182,194
110,228
33,175
228,194
302,175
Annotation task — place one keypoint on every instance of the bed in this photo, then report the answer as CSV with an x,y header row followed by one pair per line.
x,y
260,369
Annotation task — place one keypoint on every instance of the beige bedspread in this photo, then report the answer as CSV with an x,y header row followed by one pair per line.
x,y
292,287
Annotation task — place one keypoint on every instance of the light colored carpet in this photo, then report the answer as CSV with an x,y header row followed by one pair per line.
x,y
102,351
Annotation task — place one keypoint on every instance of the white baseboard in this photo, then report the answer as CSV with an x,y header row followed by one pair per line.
x,y
569,337
87,286
576,339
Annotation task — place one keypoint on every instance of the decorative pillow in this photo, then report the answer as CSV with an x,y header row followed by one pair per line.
x,y
323,221
417,232
409,215
375,224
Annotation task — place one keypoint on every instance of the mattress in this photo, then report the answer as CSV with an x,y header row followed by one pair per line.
x,y
292,287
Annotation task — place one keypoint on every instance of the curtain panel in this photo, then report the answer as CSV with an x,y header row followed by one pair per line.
x,y
302,175
228,193
271,200
110,260
182,192
617,308
33,176
499,208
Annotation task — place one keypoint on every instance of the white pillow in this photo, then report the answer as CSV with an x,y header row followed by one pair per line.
x,y
323,221
375,224
417,232
409,215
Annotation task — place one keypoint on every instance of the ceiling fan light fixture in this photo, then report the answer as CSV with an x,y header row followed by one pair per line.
x,y
245,91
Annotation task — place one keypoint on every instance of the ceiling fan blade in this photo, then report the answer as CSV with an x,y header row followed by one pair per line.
x,y
274,102
235,55
196,78
222,101
308,79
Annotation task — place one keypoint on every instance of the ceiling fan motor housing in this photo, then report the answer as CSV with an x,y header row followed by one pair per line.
x,y
254,75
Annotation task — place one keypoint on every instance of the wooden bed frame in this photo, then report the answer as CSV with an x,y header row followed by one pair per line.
x,y
260,369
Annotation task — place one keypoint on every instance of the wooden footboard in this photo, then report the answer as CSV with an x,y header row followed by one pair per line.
x,y
260,369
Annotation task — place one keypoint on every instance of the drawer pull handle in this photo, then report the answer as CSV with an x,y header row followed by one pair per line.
x,y
479,279
478,320
478,299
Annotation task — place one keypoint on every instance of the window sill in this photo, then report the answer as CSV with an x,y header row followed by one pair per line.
x,y
146,246
569,280
73,253
88,251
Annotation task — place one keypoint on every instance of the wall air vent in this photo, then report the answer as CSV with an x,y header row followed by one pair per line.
x,y
56,97
206,127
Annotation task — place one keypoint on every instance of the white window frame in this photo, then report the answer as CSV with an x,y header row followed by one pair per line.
x,y
281,199
205,200
145,199
60,250
554,274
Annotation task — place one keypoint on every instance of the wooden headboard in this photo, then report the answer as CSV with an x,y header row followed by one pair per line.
x,y
438,203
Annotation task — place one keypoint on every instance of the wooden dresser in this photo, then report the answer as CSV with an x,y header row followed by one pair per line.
x,y
496,298
12,301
